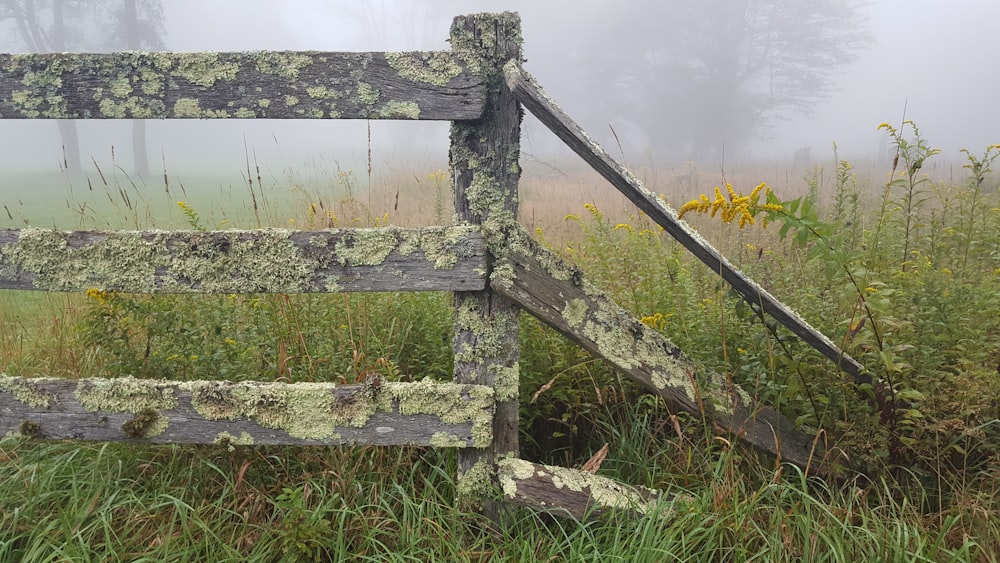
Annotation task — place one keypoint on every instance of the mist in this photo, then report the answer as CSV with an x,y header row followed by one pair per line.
x,y
932,60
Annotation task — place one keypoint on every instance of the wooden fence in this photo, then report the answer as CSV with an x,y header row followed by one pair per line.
x,y
489,261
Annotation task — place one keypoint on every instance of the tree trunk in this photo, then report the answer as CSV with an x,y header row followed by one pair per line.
x,y
139,153
67,129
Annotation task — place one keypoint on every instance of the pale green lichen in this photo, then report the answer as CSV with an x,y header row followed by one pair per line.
x,y
309,411
446,440
475,483
659,379
520,242
322,92
575,312
26,391
492,349
399,110
121,87
151,81
441,246
446,401
492,336
366,247
243,261
506,381
41,95
187,107
283,64
227,439
367,94
312,411
485,197
125,394
503,275
437,68
221,261
605,492
204,69
132,85
112,108
513,470
135,107
478,45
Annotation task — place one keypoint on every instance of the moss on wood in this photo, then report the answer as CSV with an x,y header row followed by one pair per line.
x,y
243,85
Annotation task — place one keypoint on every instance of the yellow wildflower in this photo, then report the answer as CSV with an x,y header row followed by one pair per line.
x,y
98,295
732,205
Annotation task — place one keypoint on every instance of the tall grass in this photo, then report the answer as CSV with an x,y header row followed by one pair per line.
x,y
924,467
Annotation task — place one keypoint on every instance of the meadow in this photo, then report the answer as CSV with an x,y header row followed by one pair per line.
x,y
899,263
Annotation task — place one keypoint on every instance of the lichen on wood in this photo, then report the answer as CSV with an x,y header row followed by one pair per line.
x,y
576,493
563,298
433,413
234,261
417,85
26,391
484,157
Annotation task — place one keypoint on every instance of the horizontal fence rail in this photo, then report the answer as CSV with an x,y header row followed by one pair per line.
x,y
126,409
266,260
263,84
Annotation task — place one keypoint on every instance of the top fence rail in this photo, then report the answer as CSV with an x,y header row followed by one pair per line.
x,y
428,85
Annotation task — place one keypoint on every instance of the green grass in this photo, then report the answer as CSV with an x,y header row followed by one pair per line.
x,y
918,259
120,502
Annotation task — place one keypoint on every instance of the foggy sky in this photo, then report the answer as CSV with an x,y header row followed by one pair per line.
x,y
934,57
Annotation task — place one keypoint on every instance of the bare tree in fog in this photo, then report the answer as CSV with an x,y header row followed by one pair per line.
x,y
140,24
41,27
704,77
55,26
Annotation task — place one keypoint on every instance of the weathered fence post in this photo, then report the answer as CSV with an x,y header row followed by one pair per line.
x,y
484,160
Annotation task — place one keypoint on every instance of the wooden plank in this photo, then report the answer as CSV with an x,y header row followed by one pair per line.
x,y
562,491
558,294
484,160
538,103
260,84
269,260
248,412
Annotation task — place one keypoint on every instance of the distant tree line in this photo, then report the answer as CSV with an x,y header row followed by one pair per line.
x,y
705,77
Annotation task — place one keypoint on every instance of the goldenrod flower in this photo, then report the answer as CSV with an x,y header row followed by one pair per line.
x,y
98,295
732,205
